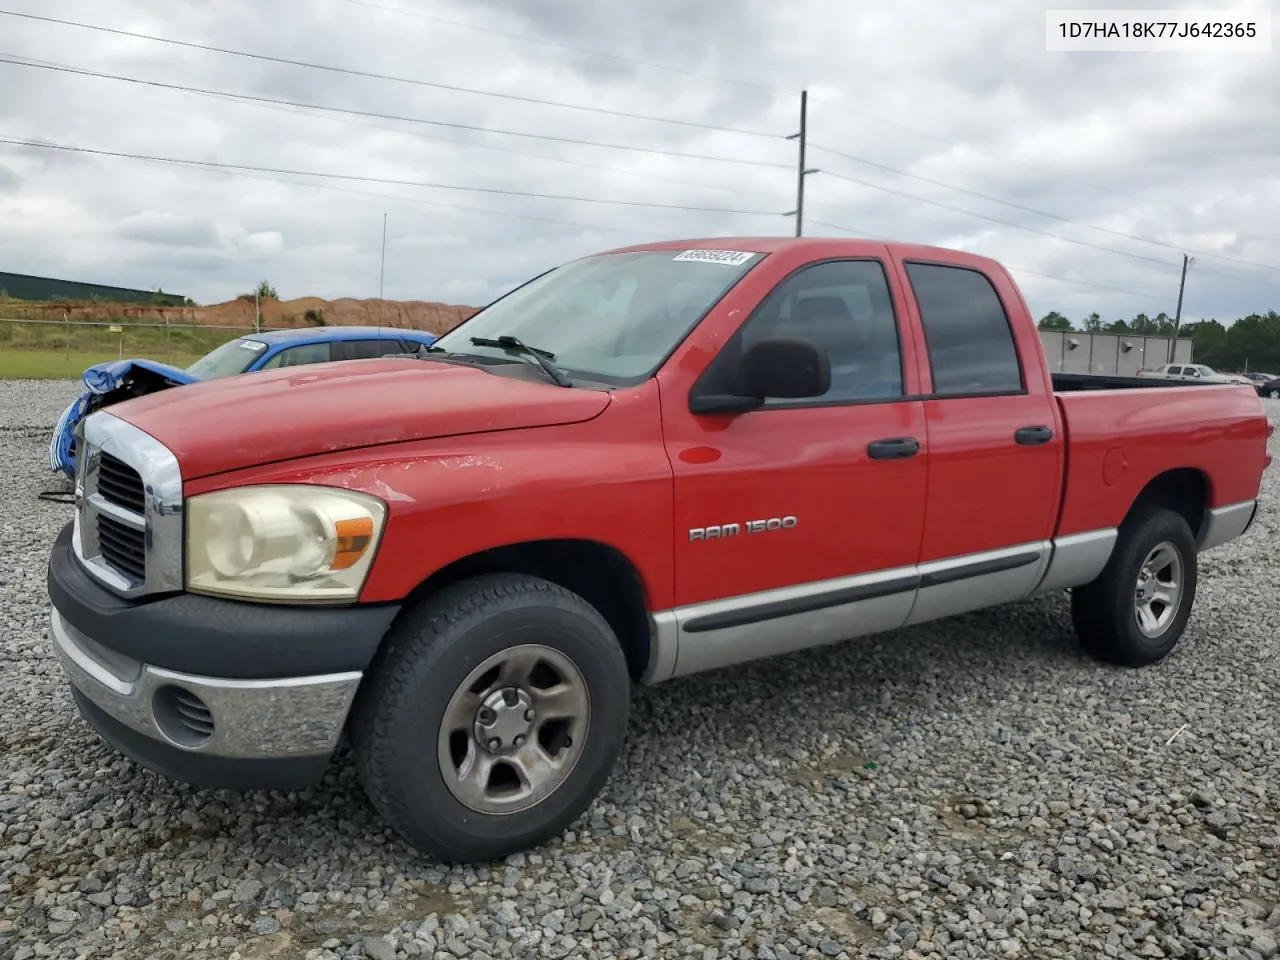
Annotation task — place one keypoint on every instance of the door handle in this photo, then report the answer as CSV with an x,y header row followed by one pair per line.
x,y
893,448
1033,436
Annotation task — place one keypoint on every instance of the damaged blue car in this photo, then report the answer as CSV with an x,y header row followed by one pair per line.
x,y
117,380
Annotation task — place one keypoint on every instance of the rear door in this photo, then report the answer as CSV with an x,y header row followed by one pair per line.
x,y
799,523
995,456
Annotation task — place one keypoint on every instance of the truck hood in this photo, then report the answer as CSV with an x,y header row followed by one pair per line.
x,y
236,422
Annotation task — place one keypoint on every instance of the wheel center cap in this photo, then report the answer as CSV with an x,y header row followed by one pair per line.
x,y
504,720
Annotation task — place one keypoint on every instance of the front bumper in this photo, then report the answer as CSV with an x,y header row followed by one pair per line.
x,y
146,676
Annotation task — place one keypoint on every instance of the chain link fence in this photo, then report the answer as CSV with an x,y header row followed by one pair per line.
x,y
63,348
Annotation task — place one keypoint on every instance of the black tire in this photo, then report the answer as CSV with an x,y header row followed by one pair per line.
x,y
1103,612
396,720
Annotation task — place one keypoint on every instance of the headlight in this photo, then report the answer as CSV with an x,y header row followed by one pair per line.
x,y
282,542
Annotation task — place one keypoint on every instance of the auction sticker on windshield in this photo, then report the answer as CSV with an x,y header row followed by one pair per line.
x,y
732,258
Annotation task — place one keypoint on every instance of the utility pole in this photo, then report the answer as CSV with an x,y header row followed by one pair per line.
x,y
382,269
1177,314
801,170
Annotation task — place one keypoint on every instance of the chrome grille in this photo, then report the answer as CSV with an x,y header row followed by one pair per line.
x,y
123,546
120,484
128,525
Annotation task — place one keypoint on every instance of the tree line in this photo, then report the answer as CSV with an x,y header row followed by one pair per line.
x,y
1250,343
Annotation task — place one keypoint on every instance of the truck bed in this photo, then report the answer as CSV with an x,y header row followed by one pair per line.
x,y
1118,440
1075,382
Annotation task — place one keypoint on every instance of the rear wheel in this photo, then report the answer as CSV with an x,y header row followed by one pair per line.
x,y
492,717
1135,612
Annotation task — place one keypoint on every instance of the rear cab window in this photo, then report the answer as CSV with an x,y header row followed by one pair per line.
x,y
968,337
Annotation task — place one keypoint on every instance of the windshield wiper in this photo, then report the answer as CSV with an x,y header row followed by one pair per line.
x,y
542,357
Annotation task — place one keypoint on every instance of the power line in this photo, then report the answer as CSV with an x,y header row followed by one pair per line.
x,y
301,112
13,61
629,115
1042,213
950,142
525,38
1084,283
558,221
388,77
387,180
1043,233
1009,267
983,216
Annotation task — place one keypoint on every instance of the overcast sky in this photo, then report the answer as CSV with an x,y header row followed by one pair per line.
x,y
1180,149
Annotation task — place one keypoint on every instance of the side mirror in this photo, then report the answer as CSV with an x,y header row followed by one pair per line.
x,y
776,367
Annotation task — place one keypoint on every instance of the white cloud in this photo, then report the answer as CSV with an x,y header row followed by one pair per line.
x,y
1175,148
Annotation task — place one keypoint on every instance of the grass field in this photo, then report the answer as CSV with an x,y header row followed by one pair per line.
x,y
51,351
60,365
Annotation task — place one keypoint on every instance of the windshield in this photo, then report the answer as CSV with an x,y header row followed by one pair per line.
x,y
231,358
612,317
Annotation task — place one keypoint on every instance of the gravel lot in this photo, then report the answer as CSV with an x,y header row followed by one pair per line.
x,y
975,788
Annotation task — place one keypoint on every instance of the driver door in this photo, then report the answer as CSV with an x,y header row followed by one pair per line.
x,y
796,524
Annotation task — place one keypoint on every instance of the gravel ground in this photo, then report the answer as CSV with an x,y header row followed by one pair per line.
x,y
975,788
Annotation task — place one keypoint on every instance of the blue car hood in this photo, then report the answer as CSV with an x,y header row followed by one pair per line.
x,y
105,377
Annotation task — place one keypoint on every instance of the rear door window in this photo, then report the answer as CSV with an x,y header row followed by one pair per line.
x,y
969,339
300,355
358,349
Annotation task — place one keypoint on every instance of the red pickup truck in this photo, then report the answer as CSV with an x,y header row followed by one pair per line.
x,y
643,464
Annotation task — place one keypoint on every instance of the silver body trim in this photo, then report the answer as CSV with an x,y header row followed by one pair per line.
x,y
664,641
712,649
981,590
293,717
161,521
1077,559
971,582
1222,524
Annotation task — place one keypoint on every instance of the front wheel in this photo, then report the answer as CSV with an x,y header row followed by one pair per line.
x,y
1137,609
492,717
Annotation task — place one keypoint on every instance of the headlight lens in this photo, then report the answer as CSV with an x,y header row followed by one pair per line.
x,y
282,542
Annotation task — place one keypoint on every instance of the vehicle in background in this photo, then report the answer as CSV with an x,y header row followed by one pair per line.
x,y
1257,376
116,380
644,464
1194,371
1269,388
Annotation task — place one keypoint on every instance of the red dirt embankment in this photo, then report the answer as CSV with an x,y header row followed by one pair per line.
x,y
413,314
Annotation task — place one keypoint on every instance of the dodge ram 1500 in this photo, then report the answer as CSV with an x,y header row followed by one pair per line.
x,y
640,465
